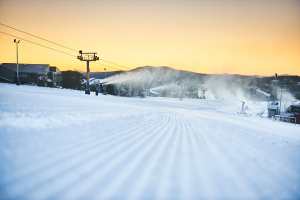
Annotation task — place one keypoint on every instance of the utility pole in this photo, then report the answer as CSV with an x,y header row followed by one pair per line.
x,y
17,54
91,56
279,87
104,73
280,102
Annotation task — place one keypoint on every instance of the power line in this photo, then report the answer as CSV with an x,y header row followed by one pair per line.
x,y
122,67
114,68
41,38
108,67
118,66
38,44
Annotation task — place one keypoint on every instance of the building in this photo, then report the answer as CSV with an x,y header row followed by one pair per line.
x,y
54,77
39,74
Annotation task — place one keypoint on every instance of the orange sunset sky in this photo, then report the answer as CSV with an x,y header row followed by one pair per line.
x,y
210,36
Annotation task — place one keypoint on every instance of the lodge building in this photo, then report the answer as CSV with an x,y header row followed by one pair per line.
x,y
38,74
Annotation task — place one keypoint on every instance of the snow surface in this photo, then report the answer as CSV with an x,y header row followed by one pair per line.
x,y
61,144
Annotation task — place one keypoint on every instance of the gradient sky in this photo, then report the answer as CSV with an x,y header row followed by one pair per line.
x,y
210,36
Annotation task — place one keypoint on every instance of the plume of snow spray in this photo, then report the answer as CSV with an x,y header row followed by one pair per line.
x,y
147,76
226,87
286,98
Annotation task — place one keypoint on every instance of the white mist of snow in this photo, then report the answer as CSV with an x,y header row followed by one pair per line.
x,y
143,77
227,88
286,98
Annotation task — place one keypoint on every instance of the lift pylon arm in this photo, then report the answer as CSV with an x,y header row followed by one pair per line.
x,y
87,57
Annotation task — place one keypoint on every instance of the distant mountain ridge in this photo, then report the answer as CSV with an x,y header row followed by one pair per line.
x,y
150,77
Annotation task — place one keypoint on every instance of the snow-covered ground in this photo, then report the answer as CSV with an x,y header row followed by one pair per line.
x,y
61,144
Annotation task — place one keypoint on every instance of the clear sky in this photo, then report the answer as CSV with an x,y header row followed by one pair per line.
x,y
210,36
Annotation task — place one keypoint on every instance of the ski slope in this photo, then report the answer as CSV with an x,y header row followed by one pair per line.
x,y
58,144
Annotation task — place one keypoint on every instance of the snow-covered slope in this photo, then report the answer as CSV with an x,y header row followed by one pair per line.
x,y
62,144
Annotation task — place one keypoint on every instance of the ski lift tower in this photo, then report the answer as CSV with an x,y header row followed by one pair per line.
x,y
88,57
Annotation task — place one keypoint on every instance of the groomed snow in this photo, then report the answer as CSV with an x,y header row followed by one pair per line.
x,y
58,144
